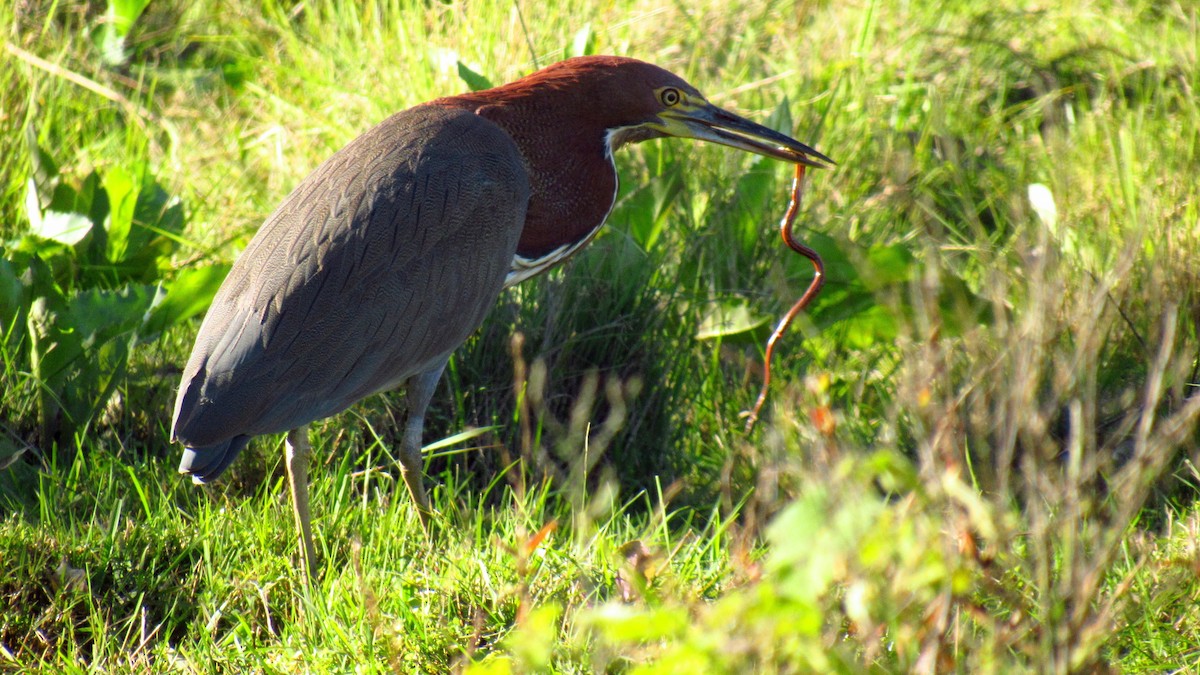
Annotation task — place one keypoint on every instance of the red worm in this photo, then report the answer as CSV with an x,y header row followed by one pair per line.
x,y
789,238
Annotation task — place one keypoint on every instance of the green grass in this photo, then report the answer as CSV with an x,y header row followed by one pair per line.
x,y
978,455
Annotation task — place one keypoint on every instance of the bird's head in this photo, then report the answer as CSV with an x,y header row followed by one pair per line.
x,y
636,101
567,119
632,101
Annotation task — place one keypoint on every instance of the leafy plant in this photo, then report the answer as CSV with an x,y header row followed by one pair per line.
x,y
84,286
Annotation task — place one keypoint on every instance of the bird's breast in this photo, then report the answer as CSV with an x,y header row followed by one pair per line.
x,y
550,239
572,180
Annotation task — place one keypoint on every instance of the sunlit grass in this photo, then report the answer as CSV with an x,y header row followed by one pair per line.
x,y
978,454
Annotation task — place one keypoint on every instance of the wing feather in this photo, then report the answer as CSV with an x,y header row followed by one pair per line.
x,y
379,264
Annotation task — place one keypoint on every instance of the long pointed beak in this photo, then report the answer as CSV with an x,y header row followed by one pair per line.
x,y
707,122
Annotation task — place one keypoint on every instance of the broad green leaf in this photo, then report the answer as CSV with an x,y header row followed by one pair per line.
x,y
156,209
90,319
118,21
122,190
51,348
780,118
90,199
33,204
50,194
66,228
871,325
753,194
888,266
475,81
584,42
12,303
647,206
71,207
122,14
729,318
839,270
154,235
188,295
52,265
45,172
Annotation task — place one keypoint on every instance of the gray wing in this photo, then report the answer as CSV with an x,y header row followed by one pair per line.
x,y
377,266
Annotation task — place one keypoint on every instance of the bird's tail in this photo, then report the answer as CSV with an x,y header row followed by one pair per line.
x,y
205,464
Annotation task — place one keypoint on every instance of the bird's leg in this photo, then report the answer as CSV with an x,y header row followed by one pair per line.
x,y
420,390
298,451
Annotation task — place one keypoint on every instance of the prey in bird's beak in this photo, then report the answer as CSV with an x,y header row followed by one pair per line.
x,y
699,119
688,115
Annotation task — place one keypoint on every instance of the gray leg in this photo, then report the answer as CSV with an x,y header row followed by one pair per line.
x,y
420,391
297,452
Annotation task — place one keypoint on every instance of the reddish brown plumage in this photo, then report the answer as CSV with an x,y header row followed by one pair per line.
x,y
560,118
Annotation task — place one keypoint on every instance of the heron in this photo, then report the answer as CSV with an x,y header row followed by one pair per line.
x,y
389,255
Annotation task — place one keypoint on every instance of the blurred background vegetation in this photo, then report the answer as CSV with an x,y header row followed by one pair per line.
x,y
979,451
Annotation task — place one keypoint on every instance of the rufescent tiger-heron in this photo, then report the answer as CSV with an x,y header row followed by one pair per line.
x,y
388,256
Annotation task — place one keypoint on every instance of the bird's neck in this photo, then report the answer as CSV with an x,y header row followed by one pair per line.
x,y
573,180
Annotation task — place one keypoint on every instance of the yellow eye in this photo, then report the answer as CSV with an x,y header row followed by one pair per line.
x,y
670,96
